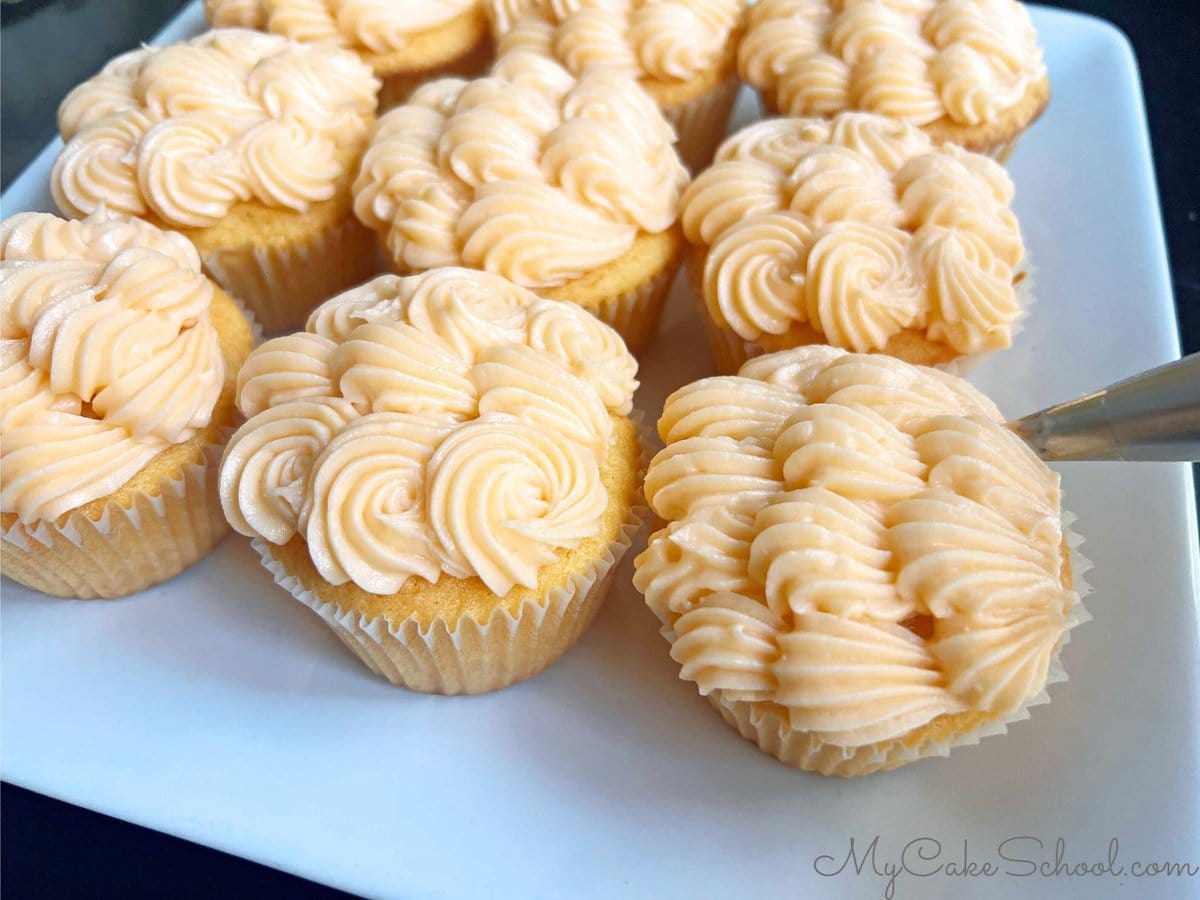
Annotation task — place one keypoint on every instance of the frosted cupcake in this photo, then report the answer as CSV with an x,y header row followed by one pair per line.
x,y
246,144
405,42
967,71
443,468
857,232
861,566
683,53
570,188
117,388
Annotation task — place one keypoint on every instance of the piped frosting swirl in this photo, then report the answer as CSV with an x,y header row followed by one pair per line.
x,y
374,26
965,61
449,423
859,227
109,356
184,133
659,41
527,173
857,540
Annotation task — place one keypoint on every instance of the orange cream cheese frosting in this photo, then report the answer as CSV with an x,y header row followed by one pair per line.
x,y
917,60
378,26
860,227
662,40
528,173
109,356
857,540
376,433
183,133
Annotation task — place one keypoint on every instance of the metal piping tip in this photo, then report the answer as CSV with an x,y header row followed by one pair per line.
x,y
1154,416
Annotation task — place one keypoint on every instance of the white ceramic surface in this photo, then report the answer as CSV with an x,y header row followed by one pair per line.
x,y
216,708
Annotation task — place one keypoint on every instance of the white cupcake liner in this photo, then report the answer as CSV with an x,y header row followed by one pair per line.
x,y
127,549
700,123
635,314
256,329
474,657
1003,151
280,283
765,723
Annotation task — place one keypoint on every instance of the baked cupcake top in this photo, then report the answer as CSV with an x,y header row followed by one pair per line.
x,y
373,26
968,61
860,227
857,540
449,423
184,133
527,173
109,356
660,41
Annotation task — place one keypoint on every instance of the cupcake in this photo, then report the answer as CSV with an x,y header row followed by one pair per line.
x,y
966,71
246,144
570,188
858,232
405,42
860,566
443,468
117,389
682,52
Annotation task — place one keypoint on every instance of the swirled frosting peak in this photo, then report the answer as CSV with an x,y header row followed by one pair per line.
x,y
184,133
527,173
656,40
860,228
965,61
445,423
376,26
108,356
857,540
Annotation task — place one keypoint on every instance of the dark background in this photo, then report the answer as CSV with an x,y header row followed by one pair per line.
x,y
53,849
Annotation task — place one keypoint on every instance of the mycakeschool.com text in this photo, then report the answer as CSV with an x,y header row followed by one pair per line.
x,y
906,864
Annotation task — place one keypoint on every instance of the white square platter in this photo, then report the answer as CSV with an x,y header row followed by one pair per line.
x,y
216,708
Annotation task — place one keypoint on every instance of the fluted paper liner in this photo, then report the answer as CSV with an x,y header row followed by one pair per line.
x,y
281,283
700,124
474,657
730,350
635,314
127,549
766,725
1002,151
